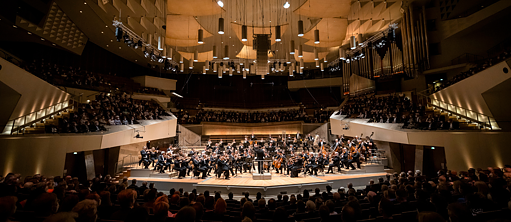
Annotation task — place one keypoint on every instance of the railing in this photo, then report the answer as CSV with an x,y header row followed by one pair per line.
x,y
471,115
125,162
17,124
467,58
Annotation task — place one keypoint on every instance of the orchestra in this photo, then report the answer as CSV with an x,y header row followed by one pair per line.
x,y
284,155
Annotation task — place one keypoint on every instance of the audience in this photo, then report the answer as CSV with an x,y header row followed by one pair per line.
x,y
473,195
396,109
319,116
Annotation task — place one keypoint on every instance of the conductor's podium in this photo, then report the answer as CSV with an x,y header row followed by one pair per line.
x,y
263,176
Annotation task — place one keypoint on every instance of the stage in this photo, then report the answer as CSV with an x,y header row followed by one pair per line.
x,y
244,182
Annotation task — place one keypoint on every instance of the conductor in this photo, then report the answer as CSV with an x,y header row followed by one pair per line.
x,y
260,156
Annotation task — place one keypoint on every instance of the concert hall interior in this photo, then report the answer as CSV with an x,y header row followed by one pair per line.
x,y
255,110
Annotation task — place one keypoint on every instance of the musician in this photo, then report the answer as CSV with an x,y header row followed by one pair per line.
x,y
223,167
279,159
247,165
321,143
145,157
238,163
232,161
199,166
153,155
313,165
335,145
168,161
161,162
310,138
233,143
355,158
208,146
336,162
205,162
192,152
344,158
220,145
253,137
259,156
246,143
170,149
212,163
178,166
186,165
297,135
298,165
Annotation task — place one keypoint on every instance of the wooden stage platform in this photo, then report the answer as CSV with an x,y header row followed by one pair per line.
x,y
244,182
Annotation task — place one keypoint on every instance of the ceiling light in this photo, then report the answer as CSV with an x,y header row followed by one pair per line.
x,y
106,45
221,26
292,47
316,36
300,51
353,42
300,28
14,26
277,34
220,3
196,56
286,5
214,52
42,39
200,36
136,60
106,26
80,11
29,33
316,54
226,52
84,3
243,33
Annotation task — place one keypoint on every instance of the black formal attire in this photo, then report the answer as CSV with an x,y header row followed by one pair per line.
x,y
297,166
178,166
335,163
260,156
144,159
355,159
344,160
161,164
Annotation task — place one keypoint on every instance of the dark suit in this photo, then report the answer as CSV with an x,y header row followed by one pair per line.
x,y
260,156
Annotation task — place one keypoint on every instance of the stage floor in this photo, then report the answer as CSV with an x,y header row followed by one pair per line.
x,y
244,182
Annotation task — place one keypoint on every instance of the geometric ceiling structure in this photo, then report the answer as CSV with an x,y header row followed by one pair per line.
x,y
59,29
193,8
324,8
330,30
257,30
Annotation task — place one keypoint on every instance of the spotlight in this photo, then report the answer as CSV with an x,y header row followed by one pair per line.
x,y
220,3
138,136
286,5
146,53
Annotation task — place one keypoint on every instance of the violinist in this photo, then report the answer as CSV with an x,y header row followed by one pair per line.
x,y
200,168
336,162
246,164
178,166
161,162
336,145
145,157
313,165
355,158
344,158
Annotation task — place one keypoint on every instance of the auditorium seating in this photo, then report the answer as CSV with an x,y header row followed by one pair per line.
x,y
400,109
473,195
506,53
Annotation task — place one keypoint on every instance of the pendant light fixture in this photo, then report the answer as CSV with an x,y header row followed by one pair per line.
x,y
287,58
316,36
226,52
160,43
300,28
353,42
322,67
219,75
277,34
149,39
316,57
238,70
342,53
190,64
244,73
300,51
243,33
204,70
215,67
206,63
196,56
360,39
215,52
301,65
252,69
262,77
200,36
292,47
181,60
290,72
325,60
317,63
221,26
182,68
230,71
164,52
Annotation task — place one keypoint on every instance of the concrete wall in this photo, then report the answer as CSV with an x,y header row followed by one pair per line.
x,y
36,94
314,83
188,137
249,128
468,92
155,82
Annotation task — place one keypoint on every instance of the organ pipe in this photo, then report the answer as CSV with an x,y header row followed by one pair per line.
x,y
414,42
425,35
